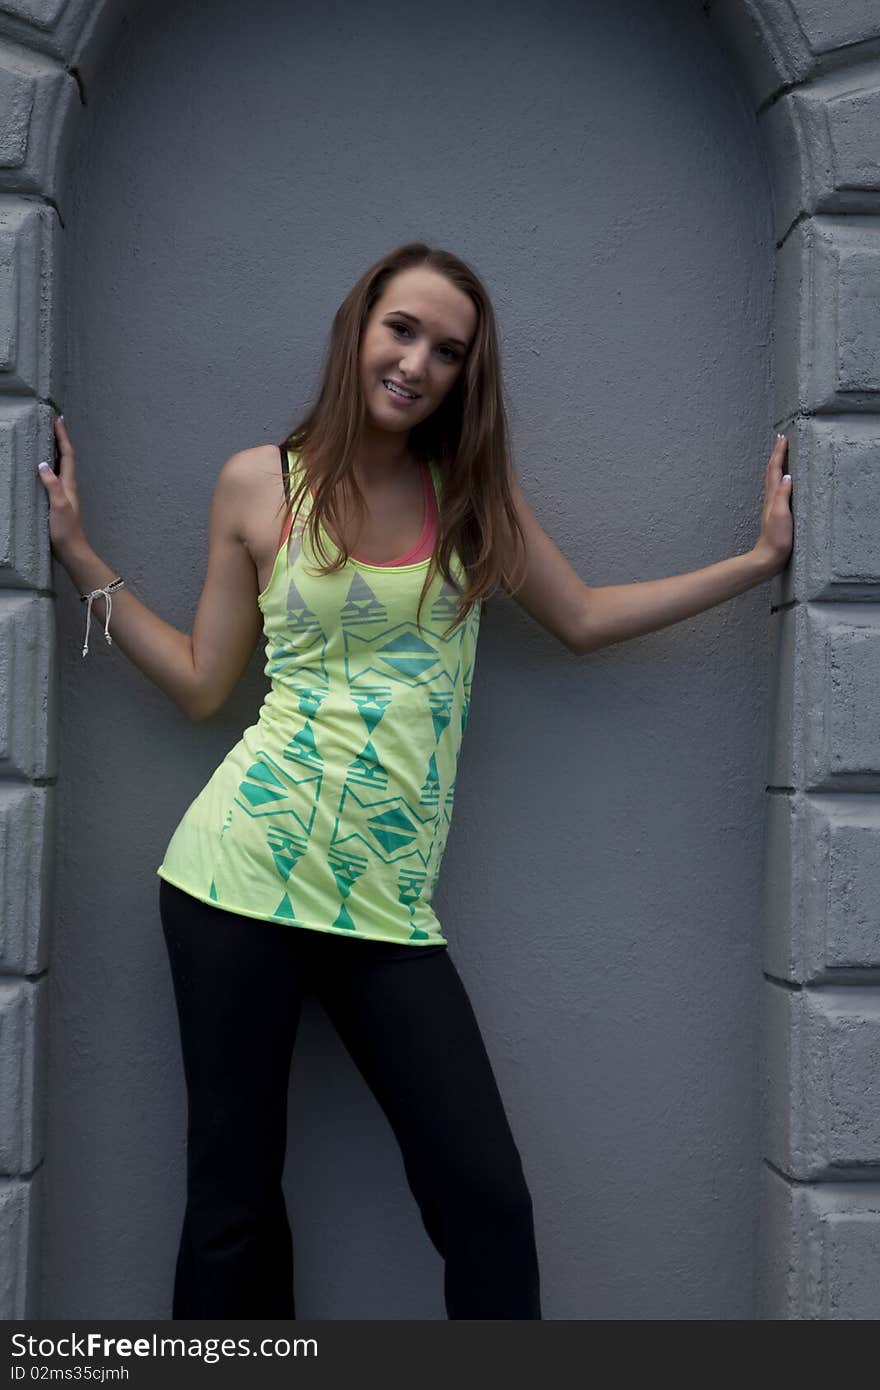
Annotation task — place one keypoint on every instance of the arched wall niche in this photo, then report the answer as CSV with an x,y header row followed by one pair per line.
x,y
812,74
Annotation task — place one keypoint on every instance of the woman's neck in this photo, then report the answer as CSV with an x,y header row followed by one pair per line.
x,y
383,462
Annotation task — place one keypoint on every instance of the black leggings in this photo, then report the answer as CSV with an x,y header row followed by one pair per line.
x,y
403,1014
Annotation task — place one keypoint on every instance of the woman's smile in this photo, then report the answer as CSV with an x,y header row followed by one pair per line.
x,y
397,394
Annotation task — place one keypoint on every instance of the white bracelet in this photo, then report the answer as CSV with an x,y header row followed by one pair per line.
x,y
107,591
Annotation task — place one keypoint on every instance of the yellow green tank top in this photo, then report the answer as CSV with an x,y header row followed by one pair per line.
x,y
333,809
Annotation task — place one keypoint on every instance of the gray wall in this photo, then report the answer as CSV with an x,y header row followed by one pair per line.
x,y
601,169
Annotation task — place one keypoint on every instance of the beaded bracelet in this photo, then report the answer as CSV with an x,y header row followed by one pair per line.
x,y
107,591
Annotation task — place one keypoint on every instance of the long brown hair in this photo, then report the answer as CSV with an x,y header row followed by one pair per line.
x,y
467,436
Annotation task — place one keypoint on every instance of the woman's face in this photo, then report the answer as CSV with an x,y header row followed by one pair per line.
x,y
417,336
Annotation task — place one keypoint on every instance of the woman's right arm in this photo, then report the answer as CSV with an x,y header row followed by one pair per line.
x,y
198,672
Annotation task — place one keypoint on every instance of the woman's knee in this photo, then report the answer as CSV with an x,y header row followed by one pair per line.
x,y
245,1160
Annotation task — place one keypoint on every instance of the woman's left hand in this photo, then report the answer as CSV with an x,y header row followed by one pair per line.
x,y
774,544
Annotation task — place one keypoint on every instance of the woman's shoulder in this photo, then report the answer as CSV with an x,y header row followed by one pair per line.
x,y
258,478
258,469
260,455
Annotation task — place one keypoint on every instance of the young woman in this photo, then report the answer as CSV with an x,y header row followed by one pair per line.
x,y
309,859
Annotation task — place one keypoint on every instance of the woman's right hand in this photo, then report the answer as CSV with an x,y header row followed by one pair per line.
x,y
65,530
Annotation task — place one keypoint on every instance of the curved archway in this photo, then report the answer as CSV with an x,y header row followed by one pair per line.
x,y
813,88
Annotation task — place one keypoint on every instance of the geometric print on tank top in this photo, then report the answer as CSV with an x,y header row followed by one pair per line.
x,y
332,811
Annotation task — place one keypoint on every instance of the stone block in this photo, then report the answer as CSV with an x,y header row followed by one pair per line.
x,y
30,358
26,436
41,110
822,1087
827,304
819,1250
824,678
29,679
27,846
80,34
23,1038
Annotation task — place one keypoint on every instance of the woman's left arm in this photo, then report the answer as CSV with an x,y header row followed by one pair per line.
x,y
586,618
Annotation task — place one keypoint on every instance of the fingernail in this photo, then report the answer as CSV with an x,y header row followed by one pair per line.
x,y
43,467
786,477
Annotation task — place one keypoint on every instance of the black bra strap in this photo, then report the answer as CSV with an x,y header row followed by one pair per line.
x,y
284,471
